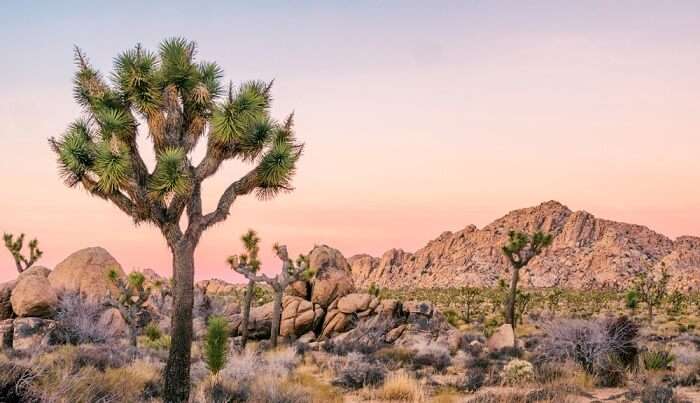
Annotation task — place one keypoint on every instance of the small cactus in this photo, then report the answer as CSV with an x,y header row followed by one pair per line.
x,y
15,247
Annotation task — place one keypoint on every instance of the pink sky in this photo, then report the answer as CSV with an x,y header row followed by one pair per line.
x,y
421,121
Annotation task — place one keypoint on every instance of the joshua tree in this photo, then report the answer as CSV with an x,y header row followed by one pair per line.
x,y
177,102
519,250
250,261
470,298
652,290
15,247
522,304
131,300
290,272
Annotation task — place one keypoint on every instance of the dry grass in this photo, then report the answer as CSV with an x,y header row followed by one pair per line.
x,y
401,387
317,383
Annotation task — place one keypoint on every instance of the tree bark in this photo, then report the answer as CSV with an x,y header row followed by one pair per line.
x,y
246,311
650,308
510,305
177,369
276,317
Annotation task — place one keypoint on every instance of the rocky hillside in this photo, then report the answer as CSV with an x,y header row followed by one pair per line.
x,y
586,252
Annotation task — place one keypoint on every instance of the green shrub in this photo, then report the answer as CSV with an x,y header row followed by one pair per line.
x,y
152,332
631,299
657,360
216,344
453,318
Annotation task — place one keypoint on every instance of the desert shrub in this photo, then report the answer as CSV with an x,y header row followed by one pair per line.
x,y
402,387
657,394
602,348
308,378
15,382
216,344
162,343
74,358
453,318
218,389
432,355
395,355
266,390
517,372
357,373
152,332
474,380
657,360
77,320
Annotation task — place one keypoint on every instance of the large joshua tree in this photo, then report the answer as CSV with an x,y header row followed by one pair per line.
x,y
519,250
177,102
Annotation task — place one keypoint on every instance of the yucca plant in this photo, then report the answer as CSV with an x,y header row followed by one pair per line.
x,y
657,360
291,271
216,344
15,247
519,250
178,102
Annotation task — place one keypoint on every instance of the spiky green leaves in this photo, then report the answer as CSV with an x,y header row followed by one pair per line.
x,y
114,122
276,169
135,75
112,166
76,153
251,243
243,108
522,247
15,247
171,175
176,56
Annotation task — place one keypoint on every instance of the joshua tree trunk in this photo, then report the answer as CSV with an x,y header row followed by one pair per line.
x,y
276,316
650,312
246,311
177,370
510,302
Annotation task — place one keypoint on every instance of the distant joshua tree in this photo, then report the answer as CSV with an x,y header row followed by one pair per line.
x,y
130,301
652,290
470,298
15,248
519,250
291,271
251,263
177,102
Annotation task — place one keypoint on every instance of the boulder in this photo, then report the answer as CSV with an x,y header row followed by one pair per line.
x,y
298,316
388,307
355,302
217,287
86,272
336,321
32,333
35,271
393,334
502,338
333,278
113,322
259,322
6,330
33,296
418,308
5,303
299,288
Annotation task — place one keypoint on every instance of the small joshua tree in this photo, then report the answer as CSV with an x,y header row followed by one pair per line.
x,y
131,300
291,271
251,262
553,299
519,250
216,344
15,247
470,298
652,290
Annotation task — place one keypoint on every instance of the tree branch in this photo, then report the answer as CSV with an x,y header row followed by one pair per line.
x,y
243,186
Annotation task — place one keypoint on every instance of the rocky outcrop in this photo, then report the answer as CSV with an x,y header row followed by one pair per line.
x,y
86,273
299,316
333,278
5,303
33,296
586,252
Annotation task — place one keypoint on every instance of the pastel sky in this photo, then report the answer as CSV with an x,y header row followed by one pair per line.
x,y
418,117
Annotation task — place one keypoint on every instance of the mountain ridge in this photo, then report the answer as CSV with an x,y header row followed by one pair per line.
x,y
586,252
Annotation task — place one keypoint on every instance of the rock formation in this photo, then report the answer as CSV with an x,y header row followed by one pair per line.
x,y
586,252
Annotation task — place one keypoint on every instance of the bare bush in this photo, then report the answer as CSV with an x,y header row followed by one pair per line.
x,y
78,320
604,348
356,372
432,355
